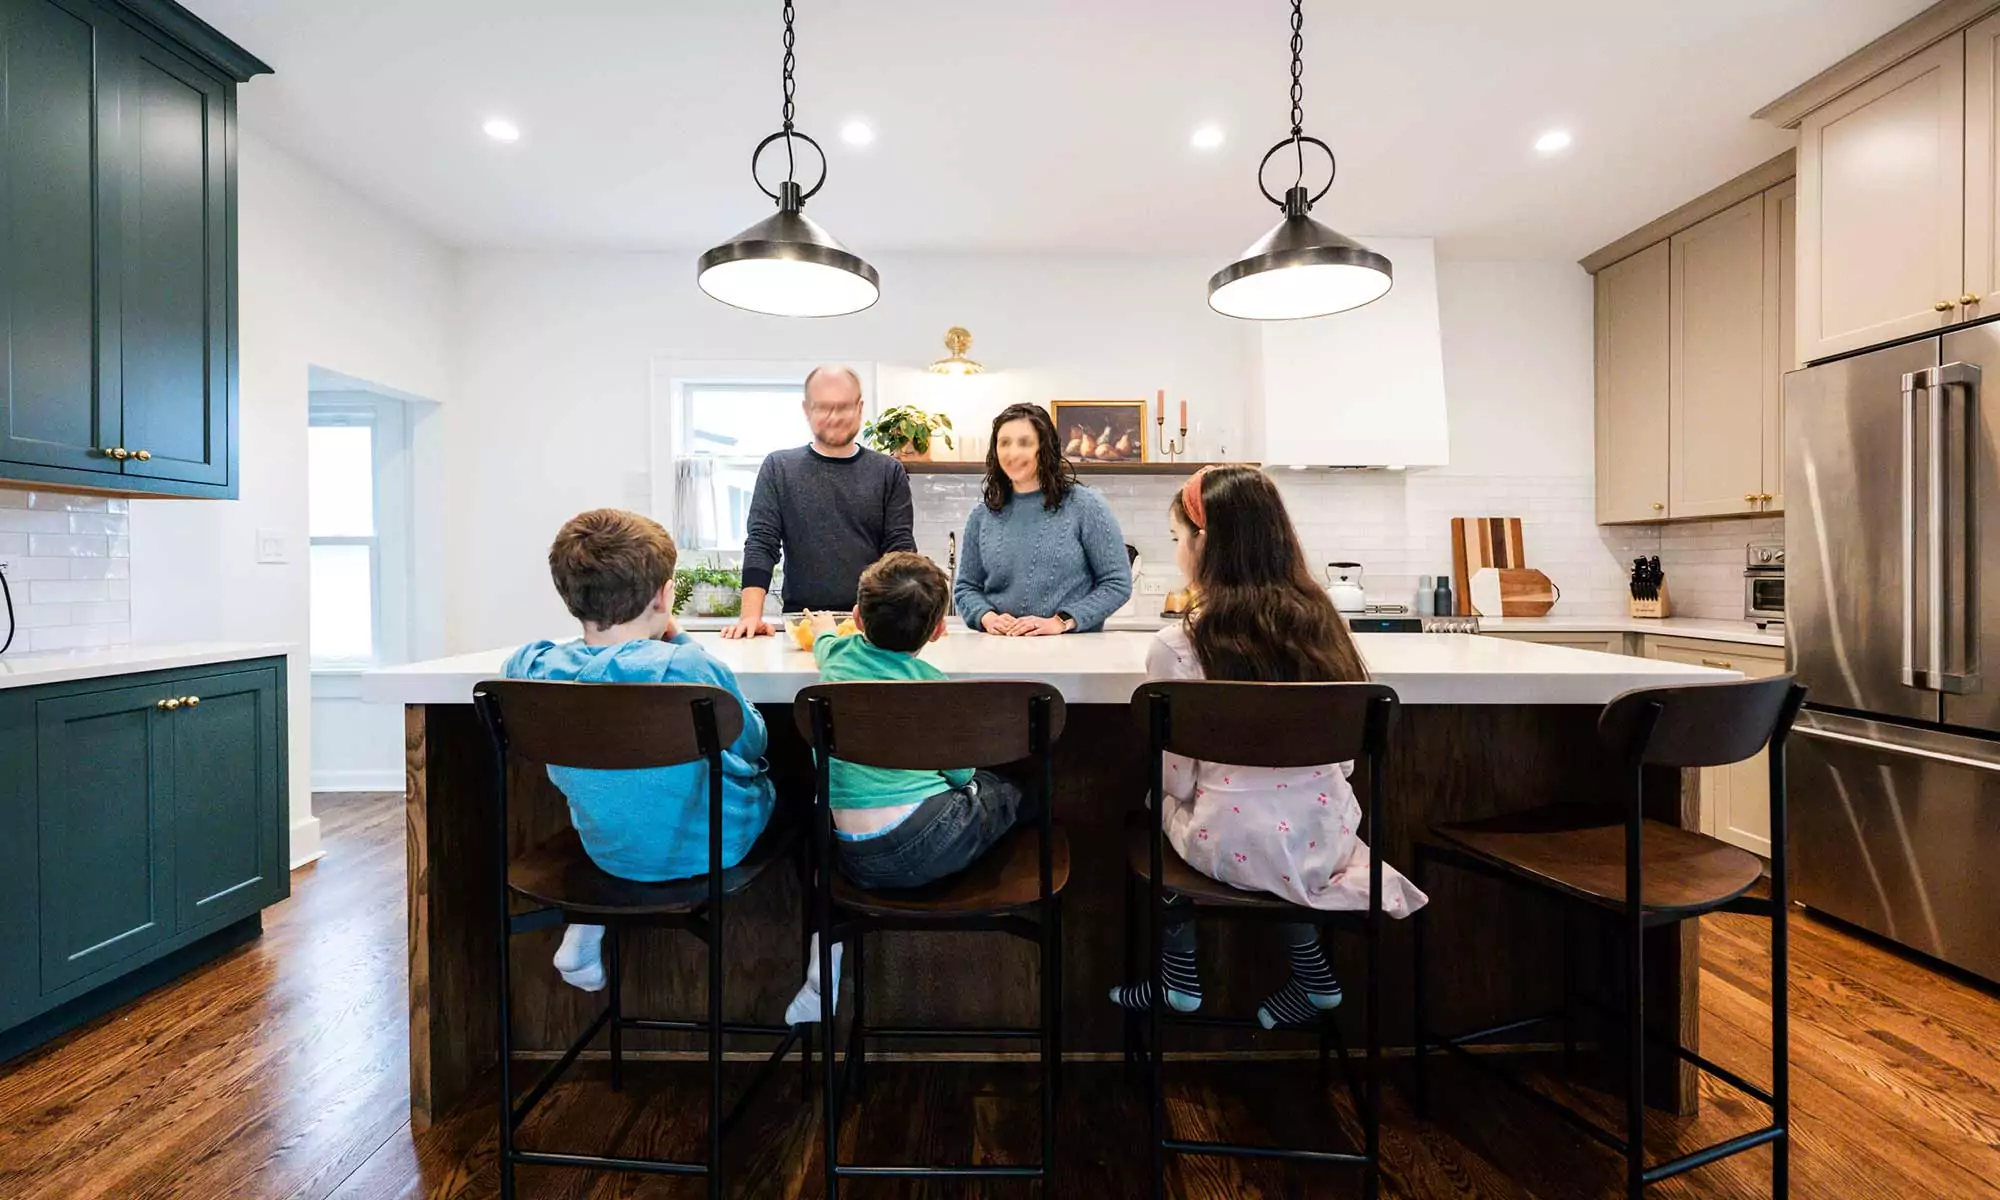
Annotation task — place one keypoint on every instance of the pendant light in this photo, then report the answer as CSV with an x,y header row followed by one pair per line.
x,y
786,265
958,340
1301,268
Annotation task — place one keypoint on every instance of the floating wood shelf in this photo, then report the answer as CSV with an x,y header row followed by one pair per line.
x,y
1140,468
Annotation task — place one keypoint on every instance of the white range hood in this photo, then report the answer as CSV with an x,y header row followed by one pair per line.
x,y
1363,388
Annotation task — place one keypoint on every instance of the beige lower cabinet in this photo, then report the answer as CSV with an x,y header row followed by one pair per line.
x,y
1608,643
1736,799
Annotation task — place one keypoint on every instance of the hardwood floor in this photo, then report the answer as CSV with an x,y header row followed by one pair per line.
x,y
280,1071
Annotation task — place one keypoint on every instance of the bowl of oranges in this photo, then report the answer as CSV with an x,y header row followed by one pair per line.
x,y
799,626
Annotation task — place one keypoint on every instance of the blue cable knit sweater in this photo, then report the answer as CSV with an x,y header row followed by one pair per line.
x,y
1029,562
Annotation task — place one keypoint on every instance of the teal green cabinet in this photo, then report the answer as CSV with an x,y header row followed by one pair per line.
x,y
118,221
105,797
143,828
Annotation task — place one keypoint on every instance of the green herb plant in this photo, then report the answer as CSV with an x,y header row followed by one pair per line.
x,y
711,573
905,425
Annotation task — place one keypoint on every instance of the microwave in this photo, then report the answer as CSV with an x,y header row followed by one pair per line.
x,y
1764,583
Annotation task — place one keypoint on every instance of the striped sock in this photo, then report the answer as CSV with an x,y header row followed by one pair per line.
x,y
1183,985
1310,991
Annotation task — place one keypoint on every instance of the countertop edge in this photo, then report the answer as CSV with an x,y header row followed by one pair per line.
x,y
36,670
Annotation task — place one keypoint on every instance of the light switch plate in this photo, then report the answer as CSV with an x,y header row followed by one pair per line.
x,y
271,546
1150,586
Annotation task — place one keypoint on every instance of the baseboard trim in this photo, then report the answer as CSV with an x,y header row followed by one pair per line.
x,y
358,781
305,842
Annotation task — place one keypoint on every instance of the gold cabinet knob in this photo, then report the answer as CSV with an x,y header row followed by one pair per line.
x,y
191,701
1749,497
1944,306
143,455
1766,497
118,454
1969,298
169,704
1658,507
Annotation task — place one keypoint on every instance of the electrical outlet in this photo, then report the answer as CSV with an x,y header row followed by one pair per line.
x,y
1149,586
271,546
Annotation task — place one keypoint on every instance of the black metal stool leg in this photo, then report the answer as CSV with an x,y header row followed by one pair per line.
x,y
715,1022
1635,1051
1056,990
1781,1068
1569,988
1050,947
829,988
857,1028
1419,990
613,967
1371,1177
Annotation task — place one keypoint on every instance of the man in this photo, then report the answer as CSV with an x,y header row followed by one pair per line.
x,y
829,509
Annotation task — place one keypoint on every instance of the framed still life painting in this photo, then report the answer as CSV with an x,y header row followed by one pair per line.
x,y
1101,431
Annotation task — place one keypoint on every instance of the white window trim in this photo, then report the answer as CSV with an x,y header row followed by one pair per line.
x,y
671,374
390,563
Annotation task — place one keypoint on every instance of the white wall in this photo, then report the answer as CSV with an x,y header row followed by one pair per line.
x,y
326,279
1518,367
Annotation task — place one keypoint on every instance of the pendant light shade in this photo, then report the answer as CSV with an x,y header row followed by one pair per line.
x,y
787,265
1301,268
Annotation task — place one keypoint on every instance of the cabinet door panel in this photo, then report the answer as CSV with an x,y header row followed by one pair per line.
x,y
105,816
52,411
1881,206
1735,799
1982,167
226,798
1632,338
1716,365
1781,222
174,266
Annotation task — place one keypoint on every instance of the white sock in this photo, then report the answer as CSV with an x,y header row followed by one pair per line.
x,y
580,958
804,1008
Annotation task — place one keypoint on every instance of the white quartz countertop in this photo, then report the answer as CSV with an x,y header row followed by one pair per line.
x,y
32,670
1740,632
1104,668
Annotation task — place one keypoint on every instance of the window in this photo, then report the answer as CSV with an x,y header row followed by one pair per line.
x,y
355,506
727,429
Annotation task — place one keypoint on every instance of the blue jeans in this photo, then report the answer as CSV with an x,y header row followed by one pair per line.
x,y
944,835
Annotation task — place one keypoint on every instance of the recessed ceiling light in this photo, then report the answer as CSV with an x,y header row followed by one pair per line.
x,y
1552,141
1206,137
857,133
500,129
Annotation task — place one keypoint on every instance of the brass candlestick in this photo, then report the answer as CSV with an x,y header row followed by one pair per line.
x,y
1170,449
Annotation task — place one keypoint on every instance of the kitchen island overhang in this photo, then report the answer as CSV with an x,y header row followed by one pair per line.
x,y
1489,726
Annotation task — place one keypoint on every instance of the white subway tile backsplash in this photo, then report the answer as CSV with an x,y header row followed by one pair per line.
x,y
69,568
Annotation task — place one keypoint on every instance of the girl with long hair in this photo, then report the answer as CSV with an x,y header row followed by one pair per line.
x,y
1042,554
1260,616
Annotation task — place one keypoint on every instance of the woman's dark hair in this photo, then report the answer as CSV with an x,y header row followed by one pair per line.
x,y
1057,475
1260,616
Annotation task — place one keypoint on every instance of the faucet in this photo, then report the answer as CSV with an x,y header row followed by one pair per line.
x,y
951,573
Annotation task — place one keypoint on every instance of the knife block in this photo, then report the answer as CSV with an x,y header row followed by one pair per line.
x,y
1662,606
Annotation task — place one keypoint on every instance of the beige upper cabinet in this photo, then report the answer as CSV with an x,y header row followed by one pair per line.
x,y
1982,170
1781,222
1881,181
1632,352
1718,365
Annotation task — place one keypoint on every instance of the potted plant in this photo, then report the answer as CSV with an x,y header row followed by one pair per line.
x,y
713,589
906,432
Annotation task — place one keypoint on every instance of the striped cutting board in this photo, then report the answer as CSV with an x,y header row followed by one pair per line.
x,y
1478,542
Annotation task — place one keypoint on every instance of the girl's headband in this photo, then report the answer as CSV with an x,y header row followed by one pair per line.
x,y
1191,501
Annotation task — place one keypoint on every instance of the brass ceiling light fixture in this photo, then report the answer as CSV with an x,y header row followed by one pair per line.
x,y
1301,268
958,340
787,265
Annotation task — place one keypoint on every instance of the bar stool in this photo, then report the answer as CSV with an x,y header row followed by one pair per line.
x,y
621,727
1608,858
1257,725
940,726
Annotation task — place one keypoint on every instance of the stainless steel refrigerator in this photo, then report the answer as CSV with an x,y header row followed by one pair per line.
x,y
1892,538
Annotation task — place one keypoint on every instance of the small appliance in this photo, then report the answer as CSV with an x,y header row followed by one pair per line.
x,y
1764,583
1343,583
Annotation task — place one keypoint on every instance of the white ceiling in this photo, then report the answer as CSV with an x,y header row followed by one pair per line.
x,y
1034,124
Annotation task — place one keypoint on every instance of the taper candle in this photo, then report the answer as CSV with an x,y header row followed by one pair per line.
x,y
1183,412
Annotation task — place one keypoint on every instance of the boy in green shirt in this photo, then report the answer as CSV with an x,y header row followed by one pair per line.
x,y
903,829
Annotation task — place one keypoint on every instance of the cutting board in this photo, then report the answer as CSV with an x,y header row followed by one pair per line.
x,y
1512,592
1478,542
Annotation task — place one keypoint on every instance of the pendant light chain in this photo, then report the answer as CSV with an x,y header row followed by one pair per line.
x,y
1298,87
791,87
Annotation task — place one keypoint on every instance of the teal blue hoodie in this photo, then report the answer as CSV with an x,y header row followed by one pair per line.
x,y
652,825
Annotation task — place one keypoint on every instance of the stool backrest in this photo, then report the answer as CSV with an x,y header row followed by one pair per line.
x,y
924,726
1699,725
1269,724
609,726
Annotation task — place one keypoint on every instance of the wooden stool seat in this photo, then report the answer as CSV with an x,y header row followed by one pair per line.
x,y
1006,878
1179,878
1579,849
559,874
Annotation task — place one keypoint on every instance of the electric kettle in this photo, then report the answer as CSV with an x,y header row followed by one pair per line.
x,y
1343,583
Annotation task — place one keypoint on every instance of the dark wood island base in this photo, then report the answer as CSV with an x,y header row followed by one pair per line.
x,y
1496,950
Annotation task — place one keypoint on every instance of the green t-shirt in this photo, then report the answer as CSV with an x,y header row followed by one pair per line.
x,y
855,659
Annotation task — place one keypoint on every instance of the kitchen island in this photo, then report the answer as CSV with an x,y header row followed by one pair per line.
x,y
1489,726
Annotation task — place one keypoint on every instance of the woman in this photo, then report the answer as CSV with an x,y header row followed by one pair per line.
x,y
1293,832
1043,554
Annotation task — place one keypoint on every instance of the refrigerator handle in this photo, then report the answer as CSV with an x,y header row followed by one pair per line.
x,y
1911,382
1956,760
1966,378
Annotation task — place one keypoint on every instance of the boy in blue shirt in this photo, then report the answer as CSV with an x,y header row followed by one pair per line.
x,y
615,573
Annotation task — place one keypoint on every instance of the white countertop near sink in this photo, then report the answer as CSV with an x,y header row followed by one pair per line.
x,y
62,666
1104,668
1742,632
